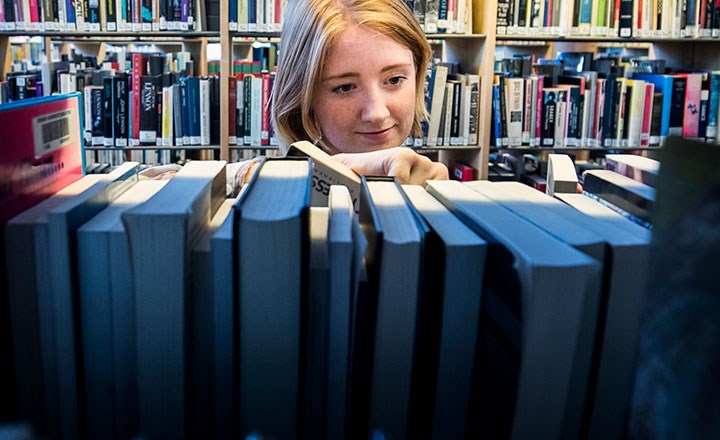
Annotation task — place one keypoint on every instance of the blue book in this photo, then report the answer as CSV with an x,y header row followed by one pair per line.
x,y
496,115
711,133
233,15
193,97
663,85
185,109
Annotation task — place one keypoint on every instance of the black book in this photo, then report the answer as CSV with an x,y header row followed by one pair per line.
x,y
626,18
610,111
149,85
215,110
633,199
98,114
677,105
108,107
121,110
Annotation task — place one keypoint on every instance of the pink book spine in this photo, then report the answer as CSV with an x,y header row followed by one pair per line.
x,y
647,114
691,117
538,109
34,13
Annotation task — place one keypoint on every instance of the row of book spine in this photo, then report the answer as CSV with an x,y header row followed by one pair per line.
x,y
588,111
443,16
102,15
608,18
452,103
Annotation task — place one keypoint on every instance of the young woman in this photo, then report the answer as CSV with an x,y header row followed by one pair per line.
x,y
350,79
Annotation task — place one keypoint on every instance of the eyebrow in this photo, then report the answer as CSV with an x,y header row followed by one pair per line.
x,y
356,74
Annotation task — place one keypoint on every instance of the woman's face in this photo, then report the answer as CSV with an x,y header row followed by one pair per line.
x,y
366,99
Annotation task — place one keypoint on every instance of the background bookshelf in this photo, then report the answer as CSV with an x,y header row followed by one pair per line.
x,y
475,51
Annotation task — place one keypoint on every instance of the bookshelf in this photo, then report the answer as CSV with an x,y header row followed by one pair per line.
x,y
681,48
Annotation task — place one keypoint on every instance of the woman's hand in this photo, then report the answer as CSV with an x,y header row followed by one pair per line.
x,y
403,163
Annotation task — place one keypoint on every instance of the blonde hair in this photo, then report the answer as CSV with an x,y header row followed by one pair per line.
x,y
309,31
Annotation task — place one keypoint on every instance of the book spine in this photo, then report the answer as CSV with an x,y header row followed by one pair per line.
x,y
138,70
561,118
713,107
647,115
550,97
625,24
167,117
514,110
108,106
702,126
121,111
265,112
691,114
473,124
539,96
185,110
204,115
528,113
194,109
148,110
110,16
180,128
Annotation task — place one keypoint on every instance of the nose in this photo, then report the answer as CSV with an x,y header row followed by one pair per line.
x,y
374,105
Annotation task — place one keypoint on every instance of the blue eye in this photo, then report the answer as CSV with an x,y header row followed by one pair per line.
x,y
396,80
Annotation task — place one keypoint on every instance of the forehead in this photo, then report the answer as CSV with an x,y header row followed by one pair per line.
x,y
359,48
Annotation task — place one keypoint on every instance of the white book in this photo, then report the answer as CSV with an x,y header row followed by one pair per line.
x,y
561,175
514,91
256,111
204,111
436,108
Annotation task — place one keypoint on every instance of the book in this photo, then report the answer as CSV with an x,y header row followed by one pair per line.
x,y
396,234
30,306
622,193
436,109
161,233
63,221
346,246
616,315
210,331
271,225
107,317
224,304
561,174
454,266
640,168
326,172
530,267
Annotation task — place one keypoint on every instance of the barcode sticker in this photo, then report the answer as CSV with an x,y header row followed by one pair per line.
x,y
55,130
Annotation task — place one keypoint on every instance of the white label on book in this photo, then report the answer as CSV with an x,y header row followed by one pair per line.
x,y
53,130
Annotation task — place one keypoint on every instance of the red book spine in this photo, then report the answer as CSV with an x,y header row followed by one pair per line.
x,y
138,70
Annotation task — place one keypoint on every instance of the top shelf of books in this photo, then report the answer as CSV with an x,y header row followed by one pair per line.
x,y
112,35
601,39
